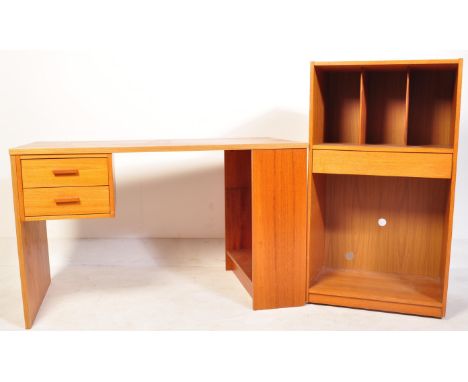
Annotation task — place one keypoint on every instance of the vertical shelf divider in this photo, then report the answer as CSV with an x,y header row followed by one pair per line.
x,y
408,76
362,111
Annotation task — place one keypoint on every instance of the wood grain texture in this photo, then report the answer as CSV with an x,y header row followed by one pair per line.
x,y
109,147
65,172
279,227
33,253
431,115
420,165
53,201
386,107
342,107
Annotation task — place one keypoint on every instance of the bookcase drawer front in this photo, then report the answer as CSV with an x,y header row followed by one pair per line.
x,y
65,172
421,165
64,201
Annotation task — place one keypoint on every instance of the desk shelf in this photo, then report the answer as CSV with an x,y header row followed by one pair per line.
x,y
240,262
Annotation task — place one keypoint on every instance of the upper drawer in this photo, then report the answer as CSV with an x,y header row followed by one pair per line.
x,y
419,165
65,172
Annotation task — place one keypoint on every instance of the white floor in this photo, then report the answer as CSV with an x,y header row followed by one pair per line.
x,y
164,284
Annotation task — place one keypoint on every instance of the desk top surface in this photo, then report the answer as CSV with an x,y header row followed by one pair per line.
x,y
108,147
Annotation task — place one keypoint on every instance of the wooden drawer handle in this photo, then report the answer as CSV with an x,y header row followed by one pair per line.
x,y
71,200
67,172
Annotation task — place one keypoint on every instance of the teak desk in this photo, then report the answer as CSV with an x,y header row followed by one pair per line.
x,y
265,200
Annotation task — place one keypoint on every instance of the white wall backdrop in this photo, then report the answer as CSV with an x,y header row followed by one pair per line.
x,y
199,87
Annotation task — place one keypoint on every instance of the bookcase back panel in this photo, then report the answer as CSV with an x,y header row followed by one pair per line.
x,y
385,93
431,107
385,224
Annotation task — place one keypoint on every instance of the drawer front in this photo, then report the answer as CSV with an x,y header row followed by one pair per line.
x,y
65,172
66,201
420,165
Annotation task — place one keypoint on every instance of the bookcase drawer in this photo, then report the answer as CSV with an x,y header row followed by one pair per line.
x,y
421,165
62,172
64,201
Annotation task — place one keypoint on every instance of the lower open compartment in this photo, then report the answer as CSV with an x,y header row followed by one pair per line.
x,y
378,242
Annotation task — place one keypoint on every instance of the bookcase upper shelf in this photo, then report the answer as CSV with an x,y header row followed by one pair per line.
x,y
408,103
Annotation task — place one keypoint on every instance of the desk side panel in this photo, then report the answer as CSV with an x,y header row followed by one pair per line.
x,y
33,252
279,181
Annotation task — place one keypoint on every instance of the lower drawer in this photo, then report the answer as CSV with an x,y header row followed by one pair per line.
x,y
66,201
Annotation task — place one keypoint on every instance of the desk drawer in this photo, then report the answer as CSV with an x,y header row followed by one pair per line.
x,y
420,165
60,172
63,201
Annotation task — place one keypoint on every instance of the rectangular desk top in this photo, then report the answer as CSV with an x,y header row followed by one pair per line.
x,y
108,147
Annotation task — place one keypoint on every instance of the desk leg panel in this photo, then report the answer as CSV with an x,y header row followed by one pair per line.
x,y
33,252
279,213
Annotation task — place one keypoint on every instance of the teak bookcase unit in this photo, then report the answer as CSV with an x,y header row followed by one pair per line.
x,y
382,166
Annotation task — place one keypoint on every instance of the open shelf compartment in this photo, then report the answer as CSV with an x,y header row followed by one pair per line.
x,y
378,240
386,106
403,105
432,96
342,115
238,191
338,106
